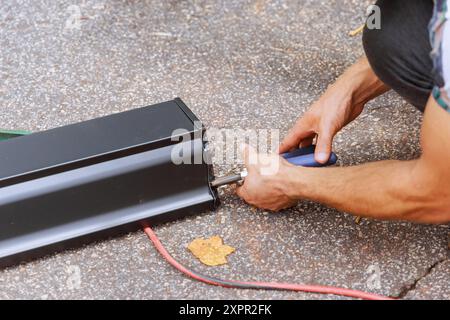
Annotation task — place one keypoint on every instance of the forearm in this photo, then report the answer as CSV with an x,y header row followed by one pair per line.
x,y
384,190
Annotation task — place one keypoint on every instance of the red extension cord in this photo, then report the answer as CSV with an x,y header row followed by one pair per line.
x,y
258,285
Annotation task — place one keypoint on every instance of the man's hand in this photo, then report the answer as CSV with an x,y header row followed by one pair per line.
x,y
339,105
266,181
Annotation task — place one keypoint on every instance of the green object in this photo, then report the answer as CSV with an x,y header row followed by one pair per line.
x,y
8,134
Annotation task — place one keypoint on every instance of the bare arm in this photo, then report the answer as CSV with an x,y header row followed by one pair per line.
x,y
417,190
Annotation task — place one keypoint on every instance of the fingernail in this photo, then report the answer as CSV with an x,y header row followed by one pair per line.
x,y
322,157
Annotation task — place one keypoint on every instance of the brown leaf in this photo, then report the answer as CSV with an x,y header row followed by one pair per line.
x,y
211,252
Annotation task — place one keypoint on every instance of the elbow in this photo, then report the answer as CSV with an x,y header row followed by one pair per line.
x,y
428,196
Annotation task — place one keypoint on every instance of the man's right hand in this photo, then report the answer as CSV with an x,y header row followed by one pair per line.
x,y
339,105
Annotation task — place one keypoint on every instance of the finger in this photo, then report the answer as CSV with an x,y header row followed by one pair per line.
x,y
323,148
307,141
295,136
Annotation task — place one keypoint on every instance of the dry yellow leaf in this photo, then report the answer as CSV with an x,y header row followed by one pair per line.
x,y
211,252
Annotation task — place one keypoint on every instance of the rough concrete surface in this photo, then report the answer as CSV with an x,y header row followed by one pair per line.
x,y
236,63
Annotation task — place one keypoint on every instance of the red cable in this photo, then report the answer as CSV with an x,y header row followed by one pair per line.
x,y
259,285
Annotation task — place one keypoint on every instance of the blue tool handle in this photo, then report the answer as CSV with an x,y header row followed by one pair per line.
x,y
305,157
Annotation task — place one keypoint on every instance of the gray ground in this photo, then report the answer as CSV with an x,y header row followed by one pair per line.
x,y
251,64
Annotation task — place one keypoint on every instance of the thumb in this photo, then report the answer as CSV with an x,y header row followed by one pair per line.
x,y
323,147
294,137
